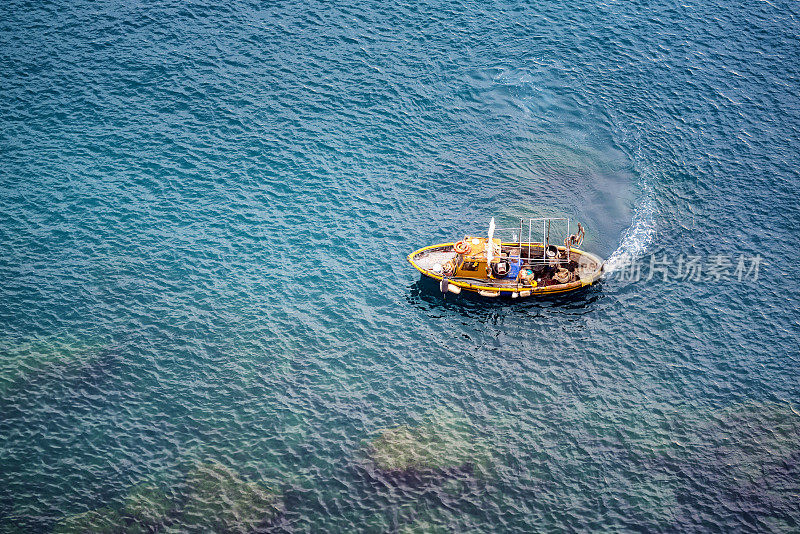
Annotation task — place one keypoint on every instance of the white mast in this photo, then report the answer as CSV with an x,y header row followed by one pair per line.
x,y
490,244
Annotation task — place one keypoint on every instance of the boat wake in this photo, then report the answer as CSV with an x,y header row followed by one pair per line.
x,y
639,235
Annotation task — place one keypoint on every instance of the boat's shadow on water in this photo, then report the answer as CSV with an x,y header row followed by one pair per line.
x,y
426,295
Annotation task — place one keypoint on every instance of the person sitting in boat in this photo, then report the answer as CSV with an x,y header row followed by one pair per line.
x,y
526,276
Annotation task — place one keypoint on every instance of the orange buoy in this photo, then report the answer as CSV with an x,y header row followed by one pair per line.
x,y
462,247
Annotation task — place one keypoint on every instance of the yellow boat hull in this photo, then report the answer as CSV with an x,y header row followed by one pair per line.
x,y
591,271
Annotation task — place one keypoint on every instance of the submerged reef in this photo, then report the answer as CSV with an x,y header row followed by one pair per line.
x,y
424,527
219,500
100,521
745,455
428,518
445,442
20,362
147,505
751,454
211,498
147,508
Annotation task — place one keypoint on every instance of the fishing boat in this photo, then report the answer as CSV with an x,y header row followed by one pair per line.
x,y
516,267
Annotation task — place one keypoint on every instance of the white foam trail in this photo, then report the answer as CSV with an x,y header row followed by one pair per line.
x,y
639,235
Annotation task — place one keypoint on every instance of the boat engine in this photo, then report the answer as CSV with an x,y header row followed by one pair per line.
x,y
500,269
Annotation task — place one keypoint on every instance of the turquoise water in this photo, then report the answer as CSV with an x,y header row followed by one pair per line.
x,y
204,216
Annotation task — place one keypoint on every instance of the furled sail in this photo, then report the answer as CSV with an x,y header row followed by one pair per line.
x,y
490,244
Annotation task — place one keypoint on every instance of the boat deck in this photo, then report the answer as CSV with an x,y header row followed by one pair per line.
x,y
585,266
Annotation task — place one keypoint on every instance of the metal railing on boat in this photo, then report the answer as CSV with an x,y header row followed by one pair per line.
x,y
545,243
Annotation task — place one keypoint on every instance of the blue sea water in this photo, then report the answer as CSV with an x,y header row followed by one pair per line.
x,y
205,211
